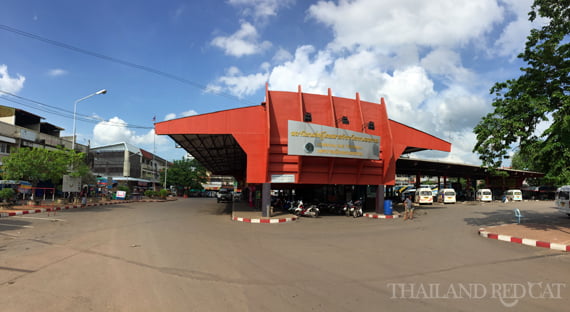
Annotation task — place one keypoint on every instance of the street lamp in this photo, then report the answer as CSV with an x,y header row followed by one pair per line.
x,y
75,112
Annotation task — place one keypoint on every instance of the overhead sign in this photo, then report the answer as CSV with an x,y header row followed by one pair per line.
x,y
282,178
309,139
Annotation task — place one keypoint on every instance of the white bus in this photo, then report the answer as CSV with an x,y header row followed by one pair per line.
x,y
562,199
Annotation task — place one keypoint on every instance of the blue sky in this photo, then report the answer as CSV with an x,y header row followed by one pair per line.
x,y
433,61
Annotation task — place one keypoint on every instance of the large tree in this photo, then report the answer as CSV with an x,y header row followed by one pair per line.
x,y
39,164
185,173
540,94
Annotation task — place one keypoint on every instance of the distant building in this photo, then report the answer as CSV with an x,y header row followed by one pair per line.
x,y
19,128
128,164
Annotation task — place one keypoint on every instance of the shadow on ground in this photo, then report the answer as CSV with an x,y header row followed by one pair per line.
x,y
532,220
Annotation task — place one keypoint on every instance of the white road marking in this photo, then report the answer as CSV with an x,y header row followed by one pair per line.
x,y
14,225
36,218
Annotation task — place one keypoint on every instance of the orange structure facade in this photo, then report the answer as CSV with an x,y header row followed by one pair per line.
x,y
252,143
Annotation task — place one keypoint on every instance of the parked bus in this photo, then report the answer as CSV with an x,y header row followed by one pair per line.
x,y
562,199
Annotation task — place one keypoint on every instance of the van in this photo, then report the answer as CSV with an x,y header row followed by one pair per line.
x,y
484,195
562,199
424,196
447,196
514,195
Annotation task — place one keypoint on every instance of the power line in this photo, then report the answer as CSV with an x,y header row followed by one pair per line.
x,y
120,61
63,112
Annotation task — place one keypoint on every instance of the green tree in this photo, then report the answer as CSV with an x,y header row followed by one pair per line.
x,y
541,93
39,164
185,173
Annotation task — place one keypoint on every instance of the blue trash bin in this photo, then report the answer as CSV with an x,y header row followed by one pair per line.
x,y
388,207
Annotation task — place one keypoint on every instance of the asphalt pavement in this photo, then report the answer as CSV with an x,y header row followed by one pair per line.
x,y
189,255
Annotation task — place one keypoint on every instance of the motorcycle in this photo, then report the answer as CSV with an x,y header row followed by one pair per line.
x,y
306,211
353,209
357,211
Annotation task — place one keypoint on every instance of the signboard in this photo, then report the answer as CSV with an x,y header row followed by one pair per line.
x,y
309,139
28,135
121,195
71,184
282,178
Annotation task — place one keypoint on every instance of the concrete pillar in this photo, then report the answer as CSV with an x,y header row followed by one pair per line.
x,y
380,199
266,200
126,164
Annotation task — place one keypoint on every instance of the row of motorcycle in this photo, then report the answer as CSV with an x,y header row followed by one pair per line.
x,y
349,208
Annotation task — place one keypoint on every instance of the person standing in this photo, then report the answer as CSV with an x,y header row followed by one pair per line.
x,y
408,208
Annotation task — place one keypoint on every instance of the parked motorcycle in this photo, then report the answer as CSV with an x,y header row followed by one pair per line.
x,y
306,211
353,209
357,209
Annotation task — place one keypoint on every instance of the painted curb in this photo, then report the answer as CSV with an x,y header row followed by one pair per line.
x,y
524,241
51,209
264,221
381,216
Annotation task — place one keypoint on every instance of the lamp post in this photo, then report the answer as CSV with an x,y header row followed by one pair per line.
x,y
103,91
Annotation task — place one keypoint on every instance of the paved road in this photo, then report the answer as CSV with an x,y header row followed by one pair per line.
x,y
188,255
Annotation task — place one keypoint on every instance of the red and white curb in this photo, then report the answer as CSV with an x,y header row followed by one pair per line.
x,y
524,241
50,209
268,221
381,216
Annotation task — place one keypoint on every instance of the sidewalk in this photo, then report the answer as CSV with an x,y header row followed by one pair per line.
x,y
23,210
553,236
242,212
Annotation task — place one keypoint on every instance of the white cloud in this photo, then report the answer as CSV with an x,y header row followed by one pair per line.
x,y
410,52
115,130
513,38
282,55
446,63
237,84
392,23
187,113
260,8
56,72
241,43
10,84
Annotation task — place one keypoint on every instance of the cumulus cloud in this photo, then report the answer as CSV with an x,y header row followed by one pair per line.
x,y
238,84
410,52
8,83
243,42
260,9
392,23
115,130
513,38
187,113
56,72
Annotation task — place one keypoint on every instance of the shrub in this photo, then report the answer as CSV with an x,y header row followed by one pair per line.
x,y
163,193
7,193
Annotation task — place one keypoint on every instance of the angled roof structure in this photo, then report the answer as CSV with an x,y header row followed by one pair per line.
x,y
345,141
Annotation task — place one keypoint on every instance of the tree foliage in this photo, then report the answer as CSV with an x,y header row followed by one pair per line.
x,y
540,94
39,164
185,173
